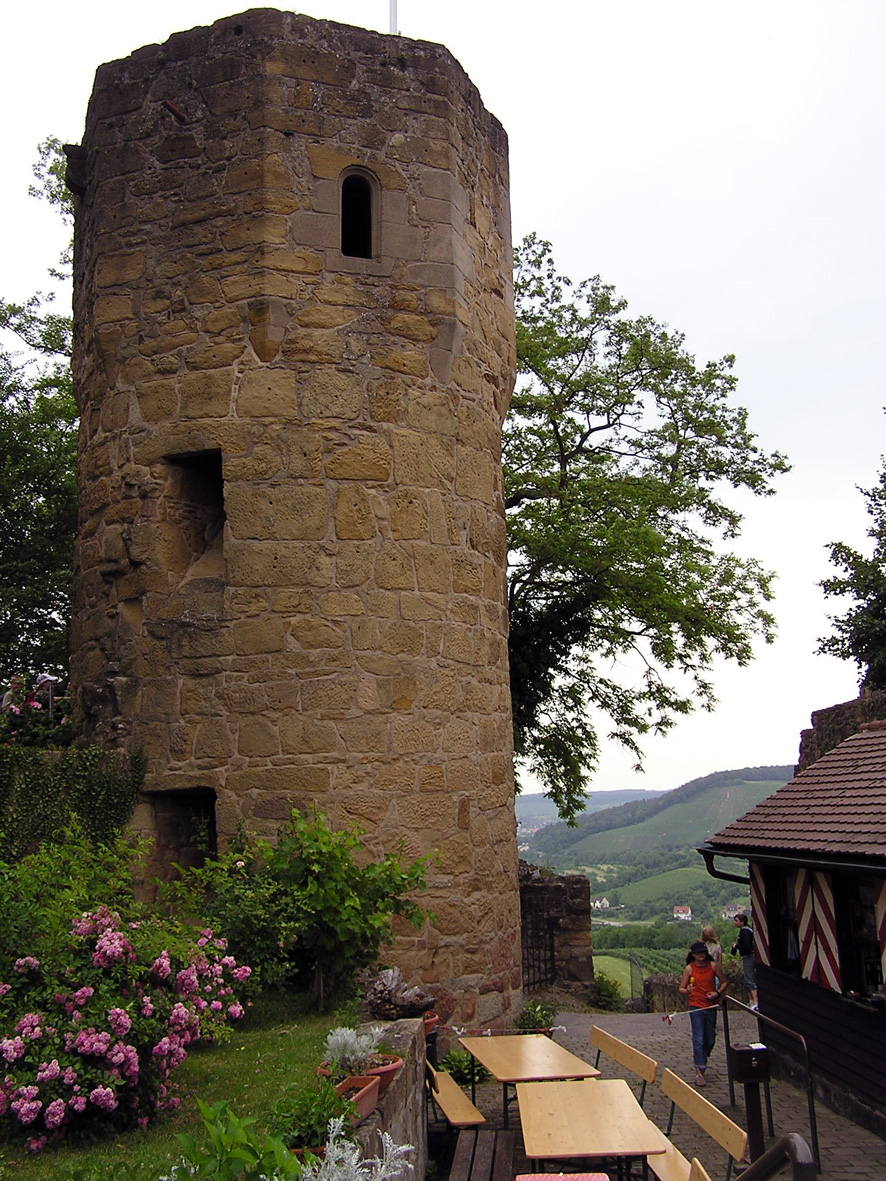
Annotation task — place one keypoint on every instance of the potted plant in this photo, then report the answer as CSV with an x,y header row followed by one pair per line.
x,y
343,1160
301,1116
536,1017
349,1052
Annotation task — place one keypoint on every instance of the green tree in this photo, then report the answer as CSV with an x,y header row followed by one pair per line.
x,y
860,633
617,451
38,483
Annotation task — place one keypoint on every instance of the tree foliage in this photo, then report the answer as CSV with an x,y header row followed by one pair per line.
x,y
38,482
618,452
860,633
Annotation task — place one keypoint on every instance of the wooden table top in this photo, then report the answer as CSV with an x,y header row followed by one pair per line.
x,y
600,1117
527,1057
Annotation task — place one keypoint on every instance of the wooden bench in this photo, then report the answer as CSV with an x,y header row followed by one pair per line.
x,y
483,1156
447,1097
635,1061
673,1165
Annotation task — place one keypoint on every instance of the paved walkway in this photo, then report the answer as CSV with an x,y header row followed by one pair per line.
x,y
848,1153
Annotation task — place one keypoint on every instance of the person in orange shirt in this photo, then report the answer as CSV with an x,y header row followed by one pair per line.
x,y
703,987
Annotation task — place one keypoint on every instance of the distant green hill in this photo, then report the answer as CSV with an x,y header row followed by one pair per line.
x,y
536,809
676,819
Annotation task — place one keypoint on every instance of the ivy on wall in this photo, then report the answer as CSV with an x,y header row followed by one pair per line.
x,y
41,792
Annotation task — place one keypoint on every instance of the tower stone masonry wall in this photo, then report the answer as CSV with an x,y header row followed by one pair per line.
x,y
290,579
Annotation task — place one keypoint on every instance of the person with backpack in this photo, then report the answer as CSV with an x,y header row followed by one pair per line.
x,y
744,947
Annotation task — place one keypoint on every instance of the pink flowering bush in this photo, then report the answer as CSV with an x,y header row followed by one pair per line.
x,y
91,1032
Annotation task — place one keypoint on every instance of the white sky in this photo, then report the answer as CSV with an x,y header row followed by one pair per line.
x,y
723,165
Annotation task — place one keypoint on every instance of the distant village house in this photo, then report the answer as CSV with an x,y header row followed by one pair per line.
x,y
683,913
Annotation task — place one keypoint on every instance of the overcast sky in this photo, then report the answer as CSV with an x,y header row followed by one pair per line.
x,y
723,165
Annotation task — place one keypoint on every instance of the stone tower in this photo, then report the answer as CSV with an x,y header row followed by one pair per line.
x,y
294,348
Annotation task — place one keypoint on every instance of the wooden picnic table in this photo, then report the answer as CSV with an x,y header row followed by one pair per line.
x,y
585,1120
513,1059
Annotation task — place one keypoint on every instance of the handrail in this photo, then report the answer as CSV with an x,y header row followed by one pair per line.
x,y
810,1093
791,1149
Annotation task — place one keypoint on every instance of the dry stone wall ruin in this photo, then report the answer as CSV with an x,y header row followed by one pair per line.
x,y
294,349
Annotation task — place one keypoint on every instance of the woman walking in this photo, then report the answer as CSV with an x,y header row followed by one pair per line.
x,y
702,986
715,951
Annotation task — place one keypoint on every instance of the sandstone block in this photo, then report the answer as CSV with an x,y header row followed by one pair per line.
x,y
422,460
264,634
277,511
212,740
363,736
410,362
432,568
408,515
432,411
270,228
475,476
329,695
278,563
401,638
304,735
206,394
354,520
215,356
331,393
394,567
113,270
340,603
354,564
413,736
369,459
315,633
111,309
257,738
157,400
326,317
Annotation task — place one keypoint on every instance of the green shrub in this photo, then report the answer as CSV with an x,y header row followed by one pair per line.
x,y
465,1068
301,1117
536,1015
605,993
232,1150
309,910
99,1001
42,792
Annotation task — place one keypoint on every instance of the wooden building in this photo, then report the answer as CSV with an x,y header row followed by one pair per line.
x,y
816,854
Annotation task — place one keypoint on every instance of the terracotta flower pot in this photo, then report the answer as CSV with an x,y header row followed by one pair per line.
x,y
430,1019
319,1152
386,1070
361,1089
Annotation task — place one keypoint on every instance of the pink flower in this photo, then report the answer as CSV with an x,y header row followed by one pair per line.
x,y
12,1048
36,1143
112,948
82,995
31,1026
78,1103
54,1113
49,1071
120,1022
104,1098
26,964
161,966
242,973
235,1010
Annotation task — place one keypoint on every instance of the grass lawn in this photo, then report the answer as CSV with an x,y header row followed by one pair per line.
x,y
280,1040
615,969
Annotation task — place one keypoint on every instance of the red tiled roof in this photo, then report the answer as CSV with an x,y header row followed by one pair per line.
x,y
835,807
